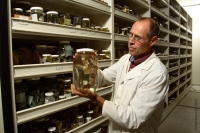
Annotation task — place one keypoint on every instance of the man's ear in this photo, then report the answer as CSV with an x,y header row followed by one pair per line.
x,y
153,40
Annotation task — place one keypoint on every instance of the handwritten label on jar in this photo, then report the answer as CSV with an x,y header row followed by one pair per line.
x,y
59,67
72,31
92,33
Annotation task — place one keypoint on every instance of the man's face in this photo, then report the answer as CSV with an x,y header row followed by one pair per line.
x,y
140,44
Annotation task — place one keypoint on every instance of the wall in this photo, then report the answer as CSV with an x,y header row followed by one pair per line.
x,y
193,12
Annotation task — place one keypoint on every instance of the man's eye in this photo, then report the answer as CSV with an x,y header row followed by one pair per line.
x,y
137,38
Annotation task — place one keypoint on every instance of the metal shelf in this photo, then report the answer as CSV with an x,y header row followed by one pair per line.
x,y
174,57
173,91
173,68
163,57
183,46
174,45
158,12
173,80
162,43
121,38
31,28
162,29
46,109
124,15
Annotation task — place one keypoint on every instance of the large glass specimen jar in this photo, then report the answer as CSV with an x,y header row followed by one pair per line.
x,y
85,70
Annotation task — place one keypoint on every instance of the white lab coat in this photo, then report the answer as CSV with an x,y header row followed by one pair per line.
x,y
138,95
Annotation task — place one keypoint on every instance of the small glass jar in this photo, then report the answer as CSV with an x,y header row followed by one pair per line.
x,y
65,87
102,56
28,13
98,28
65,19
124,31
49,97
85,23
105,29
88,118
37,14
107,53
85,68
62,97
77,22
52,130
80,120
20,97
61,52
46,58
68,50
55,59
52,17
17,11
125,9
90,113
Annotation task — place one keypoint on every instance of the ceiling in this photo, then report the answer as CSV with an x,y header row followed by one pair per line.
x,y
188,2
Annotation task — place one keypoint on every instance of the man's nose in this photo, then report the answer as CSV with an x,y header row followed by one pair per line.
x,y
131,40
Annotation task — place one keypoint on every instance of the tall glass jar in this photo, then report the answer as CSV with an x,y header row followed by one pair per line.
x,y
61,52
85,70
65,87
49,97
85,23
80,120
65,19
107,53
37,14
68,50
52,17
20,97
34,92
77,21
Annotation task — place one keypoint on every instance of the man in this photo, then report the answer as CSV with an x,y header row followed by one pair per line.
x,y
141,84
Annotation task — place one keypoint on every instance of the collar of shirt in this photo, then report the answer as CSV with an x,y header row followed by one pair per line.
x,y
138,61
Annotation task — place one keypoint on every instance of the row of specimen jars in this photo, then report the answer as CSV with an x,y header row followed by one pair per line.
x,y
65,120
36,91
37,14
37,54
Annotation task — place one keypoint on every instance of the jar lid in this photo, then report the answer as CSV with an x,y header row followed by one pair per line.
x,y
52,129
102,54
28,11
88,118
18,81
36,8
49,94
41,46
52,12
86,19
105,50
124,29
62,96
54,55
80,116
64,42
104,27
90,111
97,27
66,80
46,55
35,78
52,76
85,50
17,9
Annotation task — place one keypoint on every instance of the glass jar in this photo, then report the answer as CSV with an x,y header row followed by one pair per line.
x,y
51,85
65,19
28,13
66,87
80,120
88,118
116,28
98,28
77,22
46,58
37,14
39,125
85,68
52,17
105,29
125,9
17,11
124,31
52,130
68,51
90,113
107,53
49,97
61,97
102,56
61,52
34,92
55,59
61,126
20,97
85,23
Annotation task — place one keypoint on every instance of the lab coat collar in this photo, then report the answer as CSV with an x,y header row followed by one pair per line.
x,y
137,71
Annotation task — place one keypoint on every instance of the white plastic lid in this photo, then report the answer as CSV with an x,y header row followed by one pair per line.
x,y
36,8
41,46
52,12
105,50
88,118
104,27
97,27
64,42
54,55
18,81
80,116
35,78
62,96
86,19
66,80
18,9
85,50
28,11
90,111
46,54
52,76
52,129
49,94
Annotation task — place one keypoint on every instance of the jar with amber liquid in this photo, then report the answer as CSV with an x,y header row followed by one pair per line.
x,y
85,70
107,53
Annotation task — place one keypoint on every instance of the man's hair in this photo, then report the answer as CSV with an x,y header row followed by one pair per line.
x,y
154,27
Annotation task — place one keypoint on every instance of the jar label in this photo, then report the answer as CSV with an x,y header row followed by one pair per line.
x,y
34,17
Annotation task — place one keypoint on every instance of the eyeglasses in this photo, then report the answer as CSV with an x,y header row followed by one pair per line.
x,y
136,38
